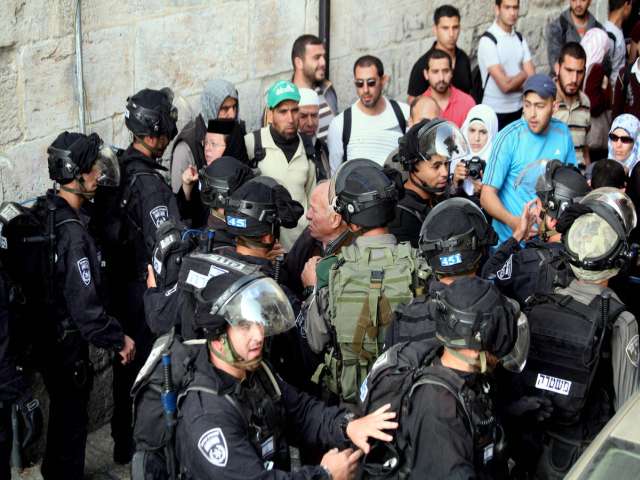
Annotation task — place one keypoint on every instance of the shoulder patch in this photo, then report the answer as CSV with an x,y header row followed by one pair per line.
x,y
213,447
505,272
322,271
85,270
159,215
632,350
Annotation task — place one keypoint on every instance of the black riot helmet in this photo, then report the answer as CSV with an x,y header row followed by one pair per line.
x,y
220,179
237,294
151,113
72,154
426,139
259,207
471,313
363,194
559,186
598,243
454,237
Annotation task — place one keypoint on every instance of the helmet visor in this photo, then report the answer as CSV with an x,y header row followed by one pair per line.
x,y
109,168
617,202
532,179
516,360
261,302
443,139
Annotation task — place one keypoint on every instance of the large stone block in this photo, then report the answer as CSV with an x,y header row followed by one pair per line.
x,y
274,26
183,51
108,71
9,99
38,20
8,23
48,73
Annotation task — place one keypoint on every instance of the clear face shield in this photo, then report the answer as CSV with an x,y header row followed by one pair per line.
x,y
532,178
261,302
516,360
617,202
108,168
444,139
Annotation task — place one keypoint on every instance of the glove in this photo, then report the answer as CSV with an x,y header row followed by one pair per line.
x,y
570,214
30,417
396,177
168,253
540,407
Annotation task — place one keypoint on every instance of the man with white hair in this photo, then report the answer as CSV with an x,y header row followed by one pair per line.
x,y
308,123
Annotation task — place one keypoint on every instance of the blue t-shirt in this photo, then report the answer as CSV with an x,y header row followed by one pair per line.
x,y
515,147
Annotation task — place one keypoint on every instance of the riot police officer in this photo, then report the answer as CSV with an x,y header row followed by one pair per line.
x,y
449,426
541,265
237,416
424,155
356,290
127,220
78,163
584,343
454,239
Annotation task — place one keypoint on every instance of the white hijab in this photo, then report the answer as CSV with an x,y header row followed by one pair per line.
x,y
487,116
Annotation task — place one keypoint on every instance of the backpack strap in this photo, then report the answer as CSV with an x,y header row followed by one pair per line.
x,y
346,132
258,150
411,211
490,36
402,122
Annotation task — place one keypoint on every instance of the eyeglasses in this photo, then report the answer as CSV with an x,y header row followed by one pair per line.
x,y
213,145
371,82
624,139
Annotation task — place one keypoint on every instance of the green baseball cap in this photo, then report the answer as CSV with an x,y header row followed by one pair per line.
x,y
281,91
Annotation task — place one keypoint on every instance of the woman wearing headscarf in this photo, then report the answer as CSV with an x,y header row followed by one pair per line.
x,y
596,44
479,128
623,141
219,101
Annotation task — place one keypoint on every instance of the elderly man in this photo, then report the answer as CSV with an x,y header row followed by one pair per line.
x,y
308,122
325,235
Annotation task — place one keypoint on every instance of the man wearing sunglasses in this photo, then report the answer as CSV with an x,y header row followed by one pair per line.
x,y
370,128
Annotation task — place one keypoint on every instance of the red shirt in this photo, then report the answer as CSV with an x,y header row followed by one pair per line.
x,y
459,105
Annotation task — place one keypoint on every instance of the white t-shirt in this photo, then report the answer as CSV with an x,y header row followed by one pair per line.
x,y
619,57
372,136
509,52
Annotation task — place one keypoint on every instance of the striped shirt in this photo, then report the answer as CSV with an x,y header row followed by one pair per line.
x,y
325,114
577,116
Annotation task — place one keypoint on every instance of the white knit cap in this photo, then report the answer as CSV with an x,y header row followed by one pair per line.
x,y
308,97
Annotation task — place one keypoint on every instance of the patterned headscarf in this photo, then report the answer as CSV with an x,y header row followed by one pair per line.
x,y
630,124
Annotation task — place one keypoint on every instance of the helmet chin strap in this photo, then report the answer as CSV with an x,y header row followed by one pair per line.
x,y
82,192
426,188
230,355
478,364
154,151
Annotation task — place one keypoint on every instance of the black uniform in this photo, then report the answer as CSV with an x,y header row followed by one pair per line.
x,y
519,273
12,382
410,213
145,202
436,417
244,430
79,317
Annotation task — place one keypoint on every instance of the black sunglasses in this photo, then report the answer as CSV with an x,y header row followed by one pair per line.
x,y
624,139
371,82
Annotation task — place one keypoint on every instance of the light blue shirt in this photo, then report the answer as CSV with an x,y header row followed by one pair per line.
x,y
515,147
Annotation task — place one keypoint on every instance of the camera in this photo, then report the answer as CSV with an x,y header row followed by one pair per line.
x,y
475,166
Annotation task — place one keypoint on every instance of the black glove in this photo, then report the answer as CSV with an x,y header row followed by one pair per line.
x,y
540,407
396,177
289,211
168,253
30,419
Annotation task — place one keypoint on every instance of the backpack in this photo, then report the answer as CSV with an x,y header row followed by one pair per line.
x,y
410,323
28,254
393,379
564,25
259,153
348,120
363,292
568,340
478,84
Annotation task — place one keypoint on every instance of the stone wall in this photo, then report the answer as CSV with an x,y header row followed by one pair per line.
x,y
132,44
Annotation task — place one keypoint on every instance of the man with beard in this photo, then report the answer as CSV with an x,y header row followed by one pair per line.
x,y
309,59
370,128
535,136
570,26
309,125
572,104
454,104
280,152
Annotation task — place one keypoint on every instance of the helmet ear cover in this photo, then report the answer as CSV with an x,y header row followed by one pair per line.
x,y
62,168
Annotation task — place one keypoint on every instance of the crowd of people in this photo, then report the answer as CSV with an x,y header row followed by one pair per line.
x,y
362,284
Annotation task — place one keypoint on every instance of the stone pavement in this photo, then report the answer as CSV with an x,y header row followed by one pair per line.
x,y
99,463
